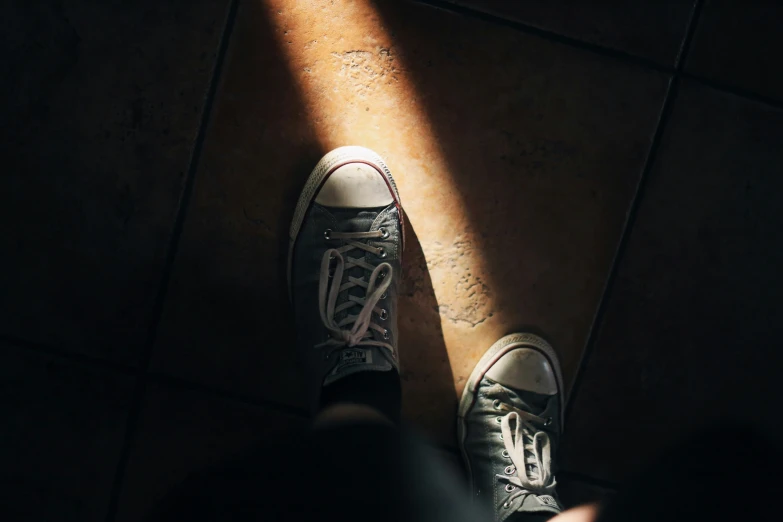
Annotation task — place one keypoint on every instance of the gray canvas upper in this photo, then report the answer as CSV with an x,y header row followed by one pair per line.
x,y
497,484
325,364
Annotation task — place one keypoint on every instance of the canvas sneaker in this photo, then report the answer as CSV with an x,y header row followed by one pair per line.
x,y
344,263
509,423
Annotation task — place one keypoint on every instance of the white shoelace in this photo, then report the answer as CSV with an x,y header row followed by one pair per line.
x,y
359,334
530,451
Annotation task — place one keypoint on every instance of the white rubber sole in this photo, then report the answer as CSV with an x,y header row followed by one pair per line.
x,y
495,352
329,163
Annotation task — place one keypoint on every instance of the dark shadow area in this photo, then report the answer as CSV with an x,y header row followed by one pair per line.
x,y
647,32
227,321
429,398
693,318
699,457
101,107
97,129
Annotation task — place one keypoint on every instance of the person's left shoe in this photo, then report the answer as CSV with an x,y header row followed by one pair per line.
x,y
346,242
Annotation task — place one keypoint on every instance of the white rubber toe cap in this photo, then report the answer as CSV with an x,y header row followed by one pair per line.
x,y
524,369
355,185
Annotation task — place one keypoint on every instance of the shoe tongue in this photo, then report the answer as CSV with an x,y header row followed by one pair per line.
x,y
357,359
353,221
532,402
539,504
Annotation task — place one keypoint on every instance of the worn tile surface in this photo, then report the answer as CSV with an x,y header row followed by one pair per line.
x,y
693,324
516,187
99,107
652,30
183,433
737,43
62,429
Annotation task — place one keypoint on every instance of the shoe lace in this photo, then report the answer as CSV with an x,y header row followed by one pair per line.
x,y
530,450
352,330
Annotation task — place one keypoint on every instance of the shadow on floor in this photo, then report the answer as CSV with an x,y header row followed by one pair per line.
x,y
429,399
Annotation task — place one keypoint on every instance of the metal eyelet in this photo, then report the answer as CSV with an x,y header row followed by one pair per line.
x,y
328,234
501,436
386,334
498,419
548,421
496,404
505,454
509,488
506,505
381,275
384,233
384,295
383,315
509,470
381,252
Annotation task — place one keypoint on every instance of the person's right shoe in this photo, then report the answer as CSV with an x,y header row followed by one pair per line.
x,y
509,422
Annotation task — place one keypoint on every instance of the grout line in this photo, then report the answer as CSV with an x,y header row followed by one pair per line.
x,y
624,56
546,34
736,91
179,222
71,357
685,46
221,394
666,110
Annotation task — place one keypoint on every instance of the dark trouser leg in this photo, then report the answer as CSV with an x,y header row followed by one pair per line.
x,y
346,472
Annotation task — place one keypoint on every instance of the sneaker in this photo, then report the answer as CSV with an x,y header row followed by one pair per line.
x,y
509,422
346,242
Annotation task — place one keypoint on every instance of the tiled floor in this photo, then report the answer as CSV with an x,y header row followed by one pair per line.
x,y
681,349
731,46
153,153
568,185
